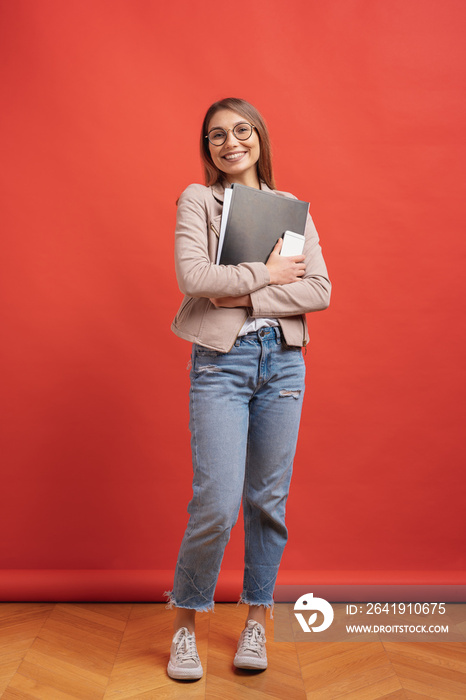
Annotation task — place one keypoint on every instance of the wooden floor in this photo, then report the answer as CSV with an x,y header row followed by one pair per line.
x,y
85,650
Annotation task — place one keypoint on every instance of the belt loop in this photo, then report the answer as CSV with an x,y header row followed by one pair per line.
x,y
278,334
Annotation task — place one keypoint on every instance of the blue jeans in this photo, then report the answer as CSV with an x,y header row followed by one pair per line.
x,y
245,408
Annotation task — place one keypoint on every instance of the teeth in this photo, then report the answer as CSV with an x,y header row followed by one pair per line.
x,y
234,156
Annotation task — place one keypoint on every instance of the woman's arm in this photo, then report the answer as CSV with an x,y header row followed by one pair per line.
x,y
282,270
310,293
197,276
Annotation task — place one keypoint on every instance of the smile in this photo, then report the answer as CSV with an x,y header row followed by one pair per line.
x,y
235,156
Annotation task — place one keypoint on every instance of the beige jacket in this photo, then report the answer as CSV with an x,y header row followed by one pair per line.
x,y
199,278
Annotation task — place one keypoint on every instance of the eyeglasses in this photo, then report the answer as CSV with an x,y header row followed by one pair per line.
x,y
242,132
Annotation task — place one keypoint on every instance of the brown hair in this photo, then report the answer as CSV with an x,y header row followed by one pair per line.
x,y
264,164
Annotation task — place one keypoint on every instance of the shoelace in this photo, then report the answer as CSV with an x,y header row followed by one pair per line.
x,y
253,638
185,646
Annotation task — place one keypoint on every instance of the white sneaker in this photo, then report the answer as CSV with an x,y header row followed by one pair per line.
x,y
184,660
251,647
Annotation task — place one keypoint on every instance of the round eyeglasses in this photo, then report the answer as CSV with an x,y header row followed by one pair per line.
x,y
241,131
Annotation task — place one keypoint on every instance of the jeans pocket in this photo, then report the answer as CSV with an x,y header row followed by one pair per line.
x,y
201,351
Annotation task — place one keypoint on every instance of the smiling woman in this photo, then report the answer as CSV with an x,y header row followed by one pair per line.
x,y
247,325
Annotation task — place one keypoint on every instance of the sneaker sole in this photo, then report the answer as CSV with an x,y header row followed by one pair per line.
x,y
251,664
183,674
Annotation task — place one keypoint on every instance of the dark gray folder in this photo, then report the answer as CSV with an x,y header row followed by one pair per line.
x,y
256,220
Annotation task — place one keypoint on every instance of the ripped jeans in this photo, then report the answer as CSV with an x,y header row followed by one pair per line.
x,y
245,408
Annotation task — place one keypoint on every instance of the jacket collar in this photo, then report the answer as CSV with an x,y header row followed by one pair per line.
x,y
218,190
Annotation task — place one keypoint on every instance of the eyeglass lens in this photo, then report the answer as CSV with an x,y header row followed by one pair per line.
x,y
241,131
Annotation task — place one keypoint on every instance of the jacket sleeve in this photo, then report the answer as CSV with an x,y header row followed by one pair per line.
x,y
310,293
197,276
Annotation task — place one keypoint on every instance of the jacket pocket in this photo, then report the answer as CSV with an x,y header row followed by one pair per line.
x,y
184,310
191,314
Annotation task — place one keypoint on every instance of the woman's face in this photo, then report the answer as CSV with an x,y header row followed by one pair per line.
x,y
236,158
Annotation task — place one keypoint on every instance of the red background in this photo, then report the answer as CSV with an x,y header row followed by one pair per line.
x,y
101,108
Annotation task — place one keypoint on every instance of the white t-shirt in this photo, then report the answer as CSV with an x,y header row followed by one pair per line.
x,y
253,324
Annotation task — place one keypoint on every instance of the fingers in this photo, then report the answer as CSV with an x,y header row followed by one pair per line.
x,y
285,269
299,267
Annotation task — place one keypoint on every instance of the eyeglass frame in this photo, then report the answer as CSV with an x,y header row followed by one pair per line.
x,y
220,128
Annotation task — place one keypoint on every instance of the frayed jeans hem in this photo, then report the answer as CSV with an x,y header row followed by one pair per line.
x,y
244,600
173,604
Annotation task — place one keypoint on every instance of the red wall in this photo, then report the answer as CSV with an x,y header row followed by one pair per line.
x,y
102,102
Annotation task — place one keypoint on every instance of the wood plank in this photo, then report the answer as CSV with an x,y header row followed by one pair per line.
x,y
113,615
450,655
20,623
72,655
46,679
357,665
428,677
381,681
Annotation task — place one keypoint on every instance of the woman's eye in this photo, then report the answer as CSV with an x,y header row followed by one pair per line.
x,y
217,135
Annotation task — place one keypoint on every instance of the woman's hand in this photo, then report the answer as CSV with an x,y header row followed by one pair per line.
x,y
284,269
231,302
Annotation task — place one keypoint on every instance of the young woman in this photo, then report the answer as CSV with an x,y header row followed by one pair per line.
x,y
247,326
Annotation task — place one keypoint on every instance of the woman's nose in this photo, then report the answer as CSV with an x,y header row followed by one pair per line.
x,y
231,137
